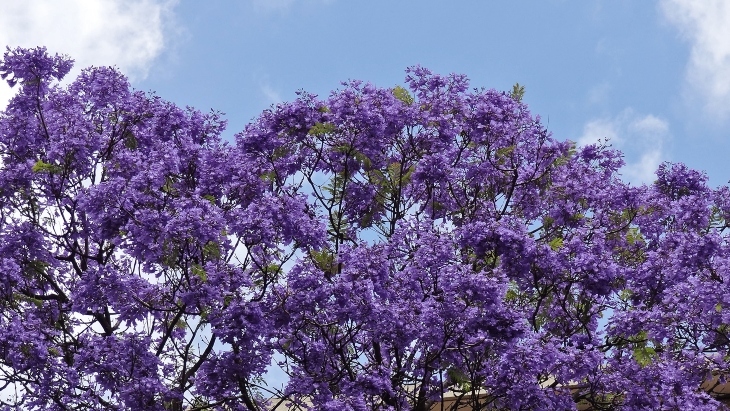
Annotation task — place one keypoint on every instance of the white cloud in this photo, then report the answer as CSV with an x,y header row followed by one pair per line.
x,y
706,25
599,130
272,96
128,34
599,93
641,137
649,125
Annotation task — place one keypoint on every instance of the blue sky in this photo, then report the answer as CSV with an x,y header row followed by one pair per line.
x,y
653,76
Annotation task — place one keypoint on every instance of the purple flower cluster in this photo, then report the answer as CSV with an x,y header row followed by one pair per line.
x,y
388,247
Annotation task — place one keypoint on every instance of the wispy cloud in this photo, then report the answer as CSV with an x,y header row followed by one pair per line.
x,y
598,130
272,96
599,93
129,34
641,137
706,25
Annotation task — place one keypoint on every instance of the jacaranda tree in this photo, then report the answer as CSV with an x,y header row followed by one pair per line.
x,y
387,247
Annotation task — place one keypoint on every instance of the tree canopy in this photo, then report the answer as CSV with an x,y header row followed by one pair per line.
x,y
387,247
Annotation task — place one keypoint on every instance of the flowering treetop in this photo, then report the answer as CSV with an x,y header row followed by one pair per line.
x,y
386,246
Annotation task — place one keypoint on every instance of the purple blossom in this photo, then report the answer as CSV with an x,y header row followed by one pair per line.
x,y
391,248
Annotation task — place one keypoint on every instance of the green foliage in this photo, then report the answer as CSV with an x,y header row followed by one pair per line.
x,y
488,261
505,151
266,274
24,298
513,293
35,269
403,95
335,186
130,141
198,271
717,218
565,159
280,152
349,150
211,250
25,348
42,167
459,378
268,176
625,295
170,254
181,324
643,352
324,260
320,129
518,92
272,268
556,243
399,177
169,186
547,222
633,236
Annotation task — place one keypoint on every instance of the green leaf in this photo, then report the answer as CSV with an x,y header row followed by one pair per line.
x,y
633,236
268,176
320,129
366,220
25,348
403,95
394,172
35,269
24,298
334,187
130,141
513,293
459,378
556,243
211,250
505,152
324,260
362,158
547,222
198,271
564,159
280,152
204,313
170,254
180,324
169,186
717,218
643,353
42,167
272,268
518,91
